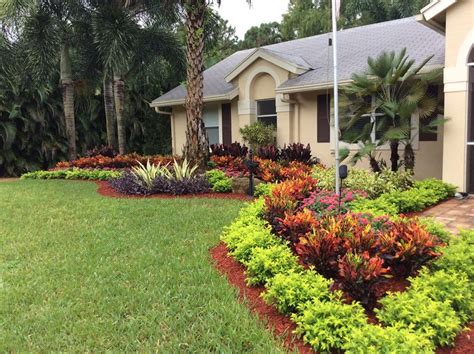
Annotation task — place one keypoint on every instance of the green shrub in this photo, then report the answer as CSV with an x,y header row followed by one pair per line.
x,y
436,228
376,207
458,256
423,194
442,286
265,263
439,189
223,186
374,339
327,325
416,310
258,134
263,189
214,176
374,184
75,173
256,235
248,221
288,291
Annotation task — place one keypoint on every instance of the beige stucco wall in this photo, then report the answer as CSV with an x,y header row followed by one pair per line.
x,y
257,82
178,129
459,40
428,155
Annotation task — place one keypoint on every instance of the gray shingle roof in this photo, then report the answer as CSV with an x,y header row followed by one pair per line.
x,y
354,47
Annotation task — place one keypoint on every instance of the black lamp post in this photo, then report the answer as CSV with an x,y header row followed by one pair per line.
x,y
251,166
343,173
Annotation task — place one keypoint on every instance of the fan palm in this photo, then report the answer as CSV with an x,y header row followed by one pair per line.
x,y
393,88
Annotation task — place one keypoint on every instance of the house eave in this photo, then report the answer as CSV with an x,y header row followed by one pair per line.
x,y
265,55
206,99
435,8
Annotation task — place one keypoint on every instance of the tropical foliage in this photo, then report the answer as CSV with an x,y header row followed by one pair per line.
x,y
381,102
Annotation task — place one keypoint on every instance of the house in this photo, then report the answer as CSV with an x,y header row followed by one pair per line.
x,y
290,85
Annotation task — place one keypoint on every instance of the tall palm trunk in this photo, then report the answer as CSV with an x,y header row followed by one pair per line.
x,y
110,112
119,97
394,157
197,145
67,86
409,158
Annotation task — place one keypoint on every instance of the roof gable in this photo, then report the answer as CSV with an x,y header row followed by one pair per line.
x,y
292,63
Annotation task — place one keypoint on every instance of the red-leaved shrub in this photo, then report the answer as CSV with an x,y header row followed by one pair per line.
x,y
406,246
359,273
294,226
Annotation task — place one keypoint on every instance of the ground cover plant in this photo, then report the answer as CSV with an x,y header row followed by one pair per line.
x,y
74,173
118,275
326,270
116,162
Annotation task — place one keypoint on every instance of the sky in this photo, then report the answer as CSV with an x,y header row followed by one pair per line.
x,y
242,17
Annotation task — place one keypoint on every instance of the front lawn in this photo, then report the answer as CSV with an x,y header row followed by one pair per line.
x,y
83,272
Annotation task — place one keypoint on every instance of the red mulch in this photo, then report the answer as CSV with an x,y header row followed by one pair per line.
x,y
106,190
282,326
464,343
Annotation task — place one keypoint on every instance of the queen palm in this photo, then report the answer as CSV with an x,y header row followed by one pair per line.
x,y
382,100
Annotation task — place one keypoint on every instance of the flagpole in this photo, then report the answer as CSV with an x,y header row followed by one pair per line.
x,y
335,9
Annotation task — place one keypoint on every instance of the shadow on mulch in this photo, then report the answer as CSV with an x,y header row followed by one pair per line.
x,y
107,191
281,325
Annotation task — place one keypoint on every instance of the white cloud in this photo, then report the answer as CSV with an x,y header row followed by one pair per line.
x,y
242,17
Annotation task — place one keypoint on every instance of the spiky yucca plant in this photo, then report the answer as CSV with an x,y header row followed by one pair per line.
x,y
146,174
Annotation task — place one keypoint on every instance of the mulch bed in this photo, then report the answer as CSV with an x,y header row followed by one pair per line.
x,y
282,326
107,191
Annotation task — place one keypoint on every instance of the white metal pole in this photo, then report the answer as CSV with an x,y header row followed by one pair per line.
x,y
336,95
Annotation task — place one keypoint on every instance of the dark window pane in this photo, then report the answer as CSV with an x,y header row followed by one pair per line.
x,y
431,134
271,120
266,107
471,104
470,168
213,135
324,116
226,124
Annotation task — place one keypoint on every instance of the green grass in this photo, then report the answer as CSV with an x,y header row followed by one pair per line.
x,y
83,272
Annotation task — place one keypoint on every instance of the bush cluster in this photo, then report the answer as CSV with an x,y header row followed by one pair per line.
x,y
429,314
128,183
75,173
423,194
219,182
373,184
266,170
118,161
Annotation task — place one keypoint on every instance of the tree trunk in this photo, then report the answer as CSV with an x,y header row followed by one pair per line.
x,y
197,145
409,158
119,96
374,164
110,112
394,157
67,87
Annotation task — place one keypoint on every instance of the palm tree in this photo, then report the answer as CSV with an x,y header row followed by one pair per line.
x,y
383,100
49,29
119,28
197,144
